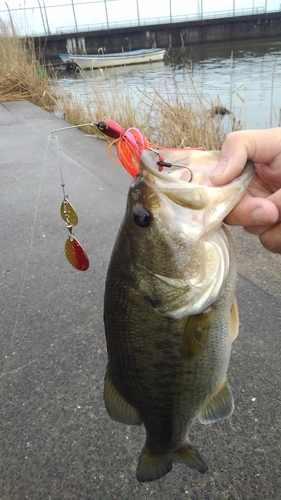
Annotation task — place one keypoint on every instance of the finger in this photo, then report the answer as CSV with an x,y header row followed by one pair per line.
x,y
258,230
276,199
271,239
261,146
253,212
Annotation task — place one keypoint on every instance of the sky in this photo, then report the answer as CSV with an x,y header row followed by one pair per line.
x,y
32,17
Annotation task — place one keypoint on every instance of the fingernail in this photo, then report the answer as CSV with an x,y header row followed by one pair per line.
x,y
259,216
220,168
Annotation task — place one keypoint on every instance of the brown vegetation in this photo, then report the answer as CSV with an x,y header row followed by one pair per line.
x,y
21,76
175,120
179,119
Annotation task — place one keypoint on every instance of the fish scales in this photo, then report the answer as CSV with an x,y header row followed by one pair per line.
x,y
168,352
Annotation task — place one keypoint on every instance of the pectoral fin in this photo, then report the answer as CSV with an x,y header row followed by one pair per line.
x,y
219,406
117,407
233,321
155,465
196,333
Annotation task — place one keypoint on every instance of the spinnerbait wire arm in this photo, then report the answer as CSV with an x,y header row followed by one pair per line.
x,y
92,124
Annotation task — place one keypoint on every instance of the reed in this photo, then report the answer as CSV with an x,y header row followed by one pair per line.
x,y
21,76
176,118
107,102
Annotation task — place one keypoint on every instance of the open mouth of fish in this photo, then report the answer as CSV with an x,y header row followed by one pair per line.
x,y
188,212
187,178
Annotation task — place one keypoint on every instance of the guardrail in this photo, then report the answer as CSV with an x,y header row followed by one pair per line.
x,y
159,20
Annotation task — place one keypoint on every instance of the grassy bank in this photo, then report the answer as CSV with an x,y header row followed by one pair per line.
x,y
175,121
176,117
21,76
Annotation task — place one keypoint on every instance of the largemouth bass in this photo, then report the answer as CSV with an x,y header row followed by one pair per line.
x,y
170,310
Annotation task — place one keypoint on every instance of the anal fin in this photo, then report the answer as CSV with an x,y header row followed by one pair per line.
x,y
116,405
153,465
219,406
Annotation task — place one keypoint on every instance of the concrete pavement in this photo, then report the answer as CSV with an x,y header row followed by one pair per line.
x,y
56,439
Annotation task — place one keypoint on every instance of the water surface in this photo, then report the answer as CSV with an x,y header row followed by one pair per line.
x,y
246,78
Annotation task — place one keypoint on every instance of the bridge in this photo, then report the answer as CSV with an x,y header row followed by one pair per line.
x,y
197,28
184,34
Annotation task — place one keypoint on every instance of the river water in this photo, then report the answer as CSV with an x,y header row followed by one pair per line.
x,y
245,77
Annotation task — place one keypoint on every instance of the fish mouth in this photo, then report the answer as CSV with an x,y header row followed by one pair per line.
x,y
187,215
186,166
187,180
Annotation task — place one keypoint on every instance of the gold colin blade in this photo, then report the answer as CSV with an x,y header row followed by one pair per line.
x,y
68,213
75,254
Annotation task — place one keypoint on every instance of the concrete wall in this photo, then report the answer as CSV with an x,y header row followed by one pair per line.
x,y
259,26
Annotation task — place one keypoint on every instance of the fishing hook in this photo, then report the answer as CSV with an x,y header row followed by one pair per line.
x,y
162,163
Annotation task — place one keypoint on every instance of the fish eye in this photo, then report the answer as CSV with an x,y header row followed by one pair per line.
x,y
142,217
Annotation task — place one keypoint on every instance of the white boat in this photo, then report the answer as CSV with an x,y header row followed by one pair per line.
x,y
118,59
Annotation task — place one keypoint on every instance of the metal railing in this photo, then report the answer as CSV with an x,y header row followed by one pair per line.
x,y
159,20
43,17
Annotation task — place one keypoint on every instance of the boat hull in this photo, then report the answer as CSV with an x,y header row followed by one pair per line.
x,y
110,60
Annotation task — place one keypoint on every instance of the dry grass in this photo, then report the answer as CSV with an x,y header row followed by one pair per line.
x,y
190,119
170,118
106,103
21,75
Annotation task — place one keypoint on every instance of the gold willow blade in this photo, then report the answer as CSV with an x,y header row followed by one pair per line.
x,y
68,213
73,250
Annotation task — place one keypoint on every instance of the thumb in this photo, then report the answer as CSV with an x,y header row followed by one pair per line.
x,y
233,157
260,146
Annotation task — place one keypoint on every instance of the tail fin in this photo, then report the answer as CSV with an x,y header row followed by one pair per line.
x,y
155,465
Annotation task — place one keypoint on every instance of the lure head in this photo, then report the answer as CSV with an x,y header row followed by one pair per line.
x,y
110,128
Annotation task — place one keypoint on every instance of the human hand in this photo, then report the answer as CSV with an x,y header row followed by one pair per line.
x,y
259,211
